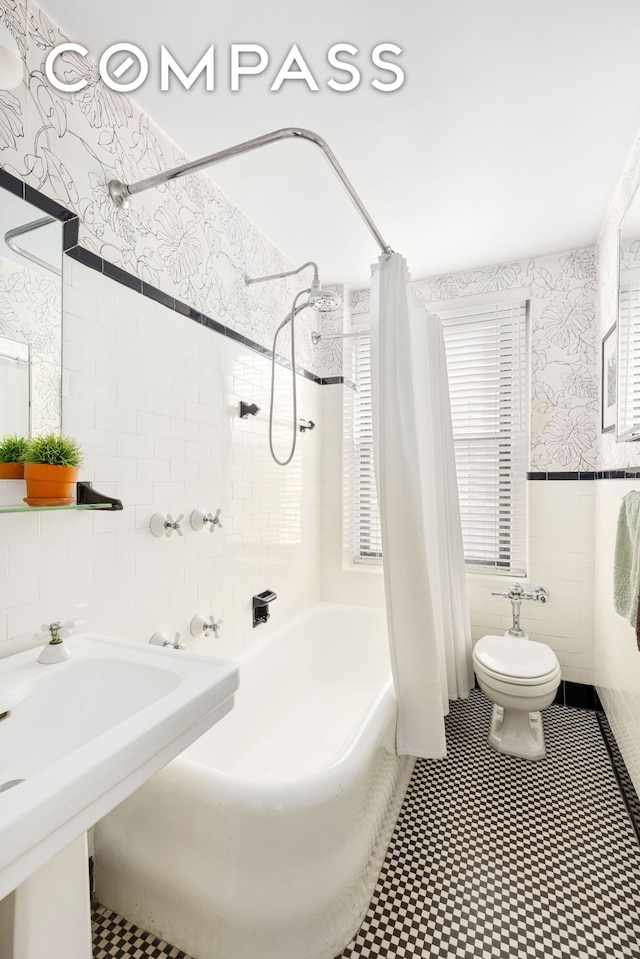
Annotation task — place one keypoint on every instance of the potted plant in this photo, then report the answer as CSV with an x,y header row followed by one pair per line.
x,y
51,467
12,450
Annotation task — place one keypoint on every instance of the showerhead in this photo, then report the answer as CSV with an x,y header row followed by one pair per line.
x,y
324,300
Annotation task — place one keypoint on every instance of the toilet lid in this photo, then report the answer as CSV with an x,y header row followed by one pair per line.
x,y
510,656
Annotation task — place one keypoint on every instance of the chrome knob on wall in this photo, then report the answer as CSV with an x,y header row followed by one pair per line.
x,y
202,625
162,525
199,519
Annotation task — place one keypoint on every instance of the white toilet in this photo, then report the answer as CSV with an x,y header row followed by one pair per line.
x,y
520,677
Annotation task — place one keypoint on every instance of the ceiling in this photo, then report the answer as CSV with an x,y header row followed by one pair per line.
x,y
506,139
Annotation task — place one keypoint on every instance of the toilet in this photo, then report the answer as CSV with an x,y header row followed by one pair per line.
x,y
520,677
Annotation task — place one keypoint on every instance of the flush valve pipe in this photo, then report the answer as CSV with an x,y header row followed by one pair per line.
x,y
517,594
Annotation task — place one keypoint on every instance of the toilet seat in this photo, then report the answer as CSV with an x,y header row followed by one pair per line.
x,y
521,662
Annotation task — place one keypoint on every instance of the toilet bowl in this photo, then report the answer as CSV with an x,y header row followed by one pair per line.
x,y
521,678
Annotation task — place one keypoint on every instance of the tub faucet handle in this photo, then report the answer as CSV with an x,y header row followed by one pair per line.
x,y
200,519
203,626
162,525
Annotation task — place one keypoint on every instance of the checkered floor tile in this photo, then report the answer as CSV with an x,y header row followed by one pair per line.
x,y
117,938
492,857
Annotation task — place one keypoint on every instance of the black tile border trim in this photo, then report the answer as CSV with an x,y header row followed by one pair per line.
x,y
629,473
625,783
94,262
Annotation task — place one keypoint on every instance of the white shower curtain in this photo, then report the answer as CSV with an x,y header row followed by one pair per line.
x,y
425,587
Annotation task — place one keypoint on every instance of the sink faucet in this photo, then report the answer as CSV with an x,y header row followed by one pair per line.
x,y
55,651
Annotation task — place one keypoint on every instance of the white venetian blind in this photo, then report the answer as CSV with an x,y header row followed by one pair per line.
x,y
628,395
366,520
486,362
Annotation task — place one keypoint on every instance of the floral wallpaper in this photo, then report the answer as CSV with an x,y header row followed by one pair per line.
x,y
187,238
564,348
31,312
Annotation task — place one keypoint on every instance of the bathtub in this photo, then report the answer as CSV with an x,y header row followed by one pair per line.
x,y
264,839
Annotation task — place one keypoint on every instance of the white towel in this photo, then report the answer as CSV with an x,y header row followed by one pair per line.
x,y
626,560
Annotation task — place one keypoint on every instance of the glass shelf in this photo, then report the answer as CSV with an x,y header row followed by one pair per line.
x,y
86,498
17,508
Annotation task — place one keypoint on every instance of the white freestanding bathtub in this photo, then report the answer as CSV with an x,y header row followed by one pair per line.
x,y
264,839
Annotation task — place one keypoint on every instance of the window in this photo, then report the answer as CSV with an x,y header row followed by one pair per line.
x,y
486,361
366,521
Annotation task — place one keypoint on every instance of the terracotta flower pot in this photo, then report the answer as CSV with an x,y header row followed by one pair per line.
x,y
50,485
11,470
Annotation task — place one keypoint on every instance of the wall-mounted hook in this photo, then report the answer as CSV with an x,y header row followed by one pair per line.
x,y
304,425
199,520
248,409
162,525
203,626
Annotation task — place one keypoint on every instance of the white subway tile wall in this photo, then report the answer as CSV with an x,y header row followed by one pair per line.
x,y
561,550
617,655
154,399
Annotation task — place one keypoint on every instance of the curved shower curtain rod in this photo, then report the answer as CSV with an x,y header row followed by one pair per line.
x,y
121,193
9,239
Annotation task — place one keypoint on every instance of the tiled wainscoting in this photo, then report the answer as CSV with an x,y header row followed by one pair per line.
x,y
494,857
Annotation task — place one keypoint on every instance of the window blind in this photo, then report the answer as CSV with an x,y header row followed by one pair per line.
x,y
486,363
366,519
628,394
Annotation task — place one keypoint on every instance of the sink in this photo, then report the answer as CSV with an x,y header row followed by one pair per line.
x,y
78,737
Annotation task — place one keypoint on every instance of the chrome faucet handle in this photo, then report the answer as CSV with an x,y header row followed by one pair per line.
x,y
161,639
171,524
200,519
212,626
201,626
55,632
162,525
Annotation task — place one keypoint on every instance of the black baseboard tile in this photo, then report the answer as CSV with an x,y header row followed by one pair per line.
x,y
625,473
627,788
581,696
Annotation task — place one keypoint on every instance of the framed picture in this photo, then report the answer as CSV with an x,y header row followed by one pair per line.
x,y
609,380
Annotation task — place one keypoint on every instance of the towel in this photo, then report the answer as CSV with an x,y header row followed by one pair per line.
x,y
626,561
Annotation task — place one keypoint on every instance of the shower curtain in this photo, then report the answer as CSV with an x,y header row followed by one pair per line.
x,y
424,575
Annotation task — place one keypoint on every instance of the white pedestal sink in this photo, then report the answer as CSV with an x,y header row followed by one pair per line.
x,y
76,738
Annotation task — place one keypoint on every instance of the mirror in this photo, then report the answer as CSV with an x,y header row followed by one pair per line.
x,y
628,360
30,318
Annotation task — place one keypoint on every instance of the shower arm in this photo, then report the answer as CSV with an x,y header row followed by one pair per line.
x,y
121,193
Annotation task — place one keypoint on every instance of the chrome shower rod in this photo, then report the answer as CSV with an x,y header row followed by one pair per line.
x,y
27,228
316,337
121,193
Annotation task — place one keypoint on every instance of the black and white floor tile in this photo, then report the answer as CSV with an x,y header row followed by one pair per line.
x,y
492,857
117,938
